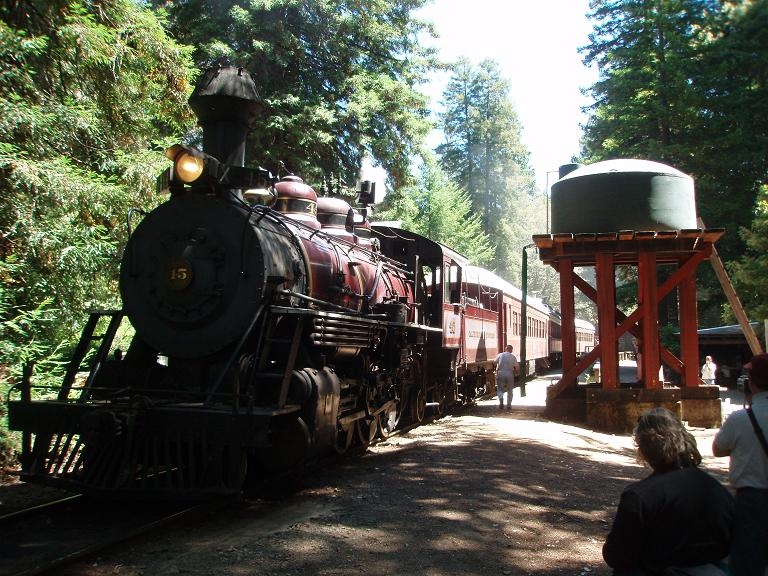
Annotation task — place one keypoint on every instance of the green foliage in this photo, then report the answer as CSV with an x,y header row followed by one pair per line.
x,y
670,338
337,79
20,341
646,52
436,208
683,82
484,154
86,89
734,154
91,87
749,273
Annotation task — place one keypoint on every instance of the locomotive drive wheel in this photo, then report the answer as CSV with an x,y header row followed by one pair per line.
x,y
388,421
366,429
419,405
344,435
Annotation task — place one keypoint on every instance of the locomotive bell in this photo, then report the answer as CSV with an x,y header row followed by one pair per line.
x,y
627,194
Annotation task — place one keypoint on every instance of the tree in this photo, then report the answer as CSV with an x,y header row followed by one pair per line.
x,y
436,208
733,150
749,273
682,82
337,79
647,52
484,154
87,93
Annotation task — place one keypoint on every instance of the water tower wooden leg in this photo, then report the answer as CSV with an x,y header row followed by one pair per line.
x,y
568,313
606,314
649,304
689,338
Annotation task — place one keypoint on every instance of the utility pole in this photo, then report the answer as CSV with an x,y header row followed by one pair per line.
x,y
524,317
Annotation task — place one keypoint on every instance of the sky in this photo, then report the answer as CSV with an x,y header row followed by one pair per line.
x,y
535,43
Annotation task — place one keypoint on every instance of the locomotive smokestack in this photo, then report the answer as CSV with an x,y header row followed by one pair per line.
x,y
226,103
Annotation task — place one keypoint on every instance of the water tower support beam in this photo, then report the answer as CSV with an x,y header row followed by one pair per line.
x,y
649,305
567,314
606,319
689,338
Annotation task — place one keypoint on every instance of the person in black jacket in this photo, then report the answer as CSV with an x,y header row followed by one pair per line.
x,y
678,519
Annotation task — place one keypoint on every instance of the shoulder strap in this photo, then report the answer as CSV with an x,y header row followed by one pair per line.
x,y
758,430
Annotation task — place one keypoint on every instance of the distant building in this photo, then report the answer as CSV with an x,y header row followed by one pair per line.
x,y
729,349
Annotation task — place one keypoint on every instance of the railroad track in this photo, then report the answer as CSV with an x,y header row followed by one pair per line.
x,y
44,537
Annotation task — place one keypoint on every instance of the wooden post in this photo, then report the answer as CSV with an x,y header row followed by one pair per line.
x,y
689,338
649,306
733,299
568,314
606,314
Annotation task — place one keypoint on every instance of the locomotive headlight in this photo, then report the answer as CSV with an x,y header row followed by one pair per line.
x,y
188,167
188,163
191,166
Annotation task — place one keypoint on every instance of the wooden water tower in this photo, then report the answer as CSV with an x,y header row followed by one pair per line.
x,y
639,214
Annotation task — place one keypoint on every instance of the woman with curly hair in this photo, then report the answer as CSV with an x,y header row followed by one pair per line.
x,y
678,519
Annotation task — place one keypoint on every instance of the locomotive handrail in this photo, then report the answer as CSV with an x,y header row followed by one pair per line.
x,y
129,214
101,354
292,294
376,281
233,357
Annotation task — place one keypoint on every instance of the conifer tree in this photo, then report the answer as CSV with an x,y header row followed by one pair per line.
x,y
338,80
682,82
88,91
484,154
437,208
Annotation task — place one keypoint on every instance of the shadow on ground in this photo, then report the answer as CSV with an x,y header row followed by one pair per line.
x,y
474,494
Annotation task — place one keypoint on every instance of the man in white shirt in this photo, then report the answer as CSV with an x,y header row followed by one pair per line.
x,y
505,365
740,439
708,370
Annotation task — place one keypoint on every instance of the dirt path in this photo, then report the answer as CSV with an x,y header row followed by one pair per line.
x,y
480,493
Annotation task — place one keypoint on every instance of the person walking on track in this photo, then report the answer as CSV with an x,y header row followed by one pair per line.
x,y
505,366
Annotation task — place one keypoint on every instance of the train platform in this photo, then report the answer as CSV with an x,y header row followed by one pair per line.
x,y
535,400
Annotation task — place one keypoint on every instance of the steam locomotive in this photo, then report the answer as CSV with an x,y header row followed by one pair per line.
x,y
271,327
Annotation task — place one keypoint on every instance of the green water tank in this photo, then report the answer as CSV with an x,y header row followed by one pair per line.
x,y
625,194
